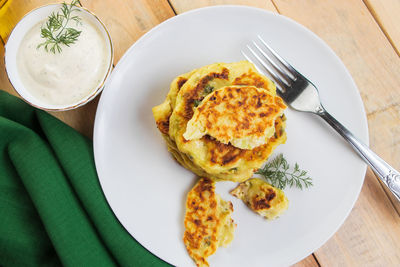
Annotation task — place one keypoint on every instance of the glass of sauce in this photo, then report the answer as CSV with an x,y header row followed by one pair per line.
x,y
60,80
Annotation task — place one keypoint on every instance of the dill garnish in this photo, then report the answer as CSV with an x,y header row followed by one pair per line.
x,y
56,32
278,173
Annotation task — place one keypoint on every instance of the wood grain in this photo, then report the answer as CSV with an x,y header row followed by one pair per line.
x,y
181,6
307,262
389,130
4,83
369,236
127,21
386,13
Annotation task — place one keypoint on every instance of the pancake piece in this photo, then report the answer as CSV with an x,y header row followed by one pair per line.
x,y
208,223
261,197
243,116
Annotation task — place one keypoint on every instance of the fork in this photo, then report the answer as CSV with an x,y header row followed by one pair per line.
x,y
302,95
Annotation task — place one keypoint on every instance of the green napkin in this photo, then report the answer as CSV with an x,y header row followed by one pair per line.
x,y
52,209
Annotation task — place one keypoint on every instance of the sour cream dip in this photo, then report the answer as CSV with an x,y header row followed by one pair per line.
x,y
65,78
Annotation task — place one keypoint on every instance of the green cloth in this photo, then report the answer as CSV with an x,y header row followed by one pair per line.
x,y
52,209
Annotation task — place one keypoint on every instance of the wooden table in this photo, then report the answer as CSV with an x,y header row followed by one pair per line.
x,y
365,34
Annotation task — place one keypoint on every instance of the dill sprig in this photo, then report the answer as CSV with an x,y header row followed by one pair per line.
x,y
279,174
56,32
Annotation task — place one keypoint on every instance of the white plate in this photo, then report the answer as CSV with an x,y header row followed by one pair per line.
x,y
147,189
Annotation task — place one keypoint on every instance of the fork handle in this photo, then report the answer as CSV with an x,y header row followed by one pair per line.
x,y
389,176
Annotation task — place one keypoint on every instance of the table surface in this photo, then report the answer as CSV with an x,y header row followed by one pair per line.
x,y
365,34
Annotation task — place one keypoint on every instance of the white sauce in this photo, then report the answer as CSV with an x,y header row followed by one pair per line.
x,y
64,78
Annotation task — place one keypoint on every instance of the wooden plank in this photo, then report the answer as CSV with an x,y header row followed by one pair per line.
x,y
307,262
389,130
367,237
386,13
181,6
364,49
4,83
129,20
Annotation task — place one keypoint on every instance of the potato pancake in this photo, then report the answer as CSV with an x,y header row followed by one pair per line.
x,y
208,223
261,197
243,116
163,111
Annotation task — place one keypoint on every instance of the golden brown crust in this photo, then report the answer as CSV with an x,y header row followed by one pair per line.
x,y
222,154
196,94
242,116
181,81
251,78
206,216
261,197
263,202
165,109
163,125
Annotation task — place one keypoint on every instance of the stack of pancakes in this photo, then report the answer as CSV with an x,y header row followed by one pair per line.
x,y
222,121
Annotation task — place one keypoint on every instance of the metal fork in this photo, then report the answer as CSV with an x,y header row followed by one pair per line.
x,y
302,95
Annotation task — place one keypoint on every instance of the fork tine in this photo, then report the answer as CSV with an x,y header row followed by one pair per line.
x,y
282,73
289,67
276,77
250,60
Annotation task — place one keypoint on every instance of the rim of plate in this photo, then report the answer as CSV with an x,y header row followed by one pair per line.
x,y
100,110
